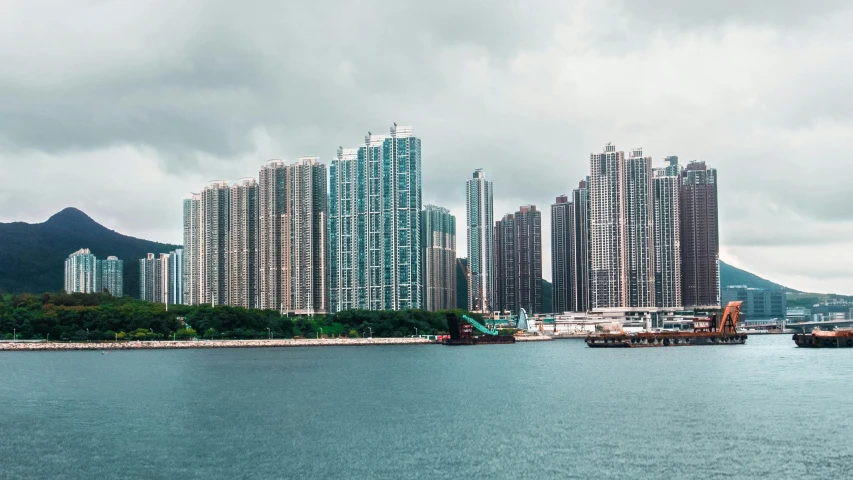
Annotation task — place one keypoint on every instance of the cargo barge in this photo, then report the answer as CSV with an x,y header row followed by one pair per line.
x,y
704,333
462,332
820,339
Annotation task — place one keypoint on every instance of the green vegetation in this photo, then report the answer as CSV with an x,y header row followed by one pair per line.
x,y
63,316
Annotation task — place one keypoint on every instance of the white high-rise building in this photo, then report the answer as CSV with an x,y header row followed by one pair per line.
x,y
667,239
308,214
242,245
81,272
274,236
481,243
639,237
191,269
621,229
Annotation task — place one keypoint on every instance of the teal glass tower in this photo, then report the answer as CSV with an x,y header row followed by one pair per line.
x,y
374,224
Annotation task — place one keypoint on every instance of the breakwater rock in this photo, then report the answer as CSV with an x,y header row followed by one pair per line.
x,y
131,345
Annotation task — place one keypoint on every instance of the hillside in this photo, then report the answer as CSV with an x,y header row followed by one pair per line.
x,y
32,255
730,275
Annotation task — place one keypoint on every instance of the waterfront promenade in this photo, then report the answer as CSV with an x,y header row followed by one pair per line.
x,y
154,345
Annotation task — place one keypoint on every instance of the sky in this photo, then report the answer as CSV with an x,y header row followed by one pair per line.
x,y
122,108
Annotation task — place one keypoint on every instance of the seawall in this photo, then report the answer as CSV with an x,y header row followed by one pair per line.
x,y
155,345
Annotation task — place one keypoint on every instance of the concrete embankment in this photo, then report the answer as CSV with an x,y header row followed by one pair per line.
x,y
325,342
532,338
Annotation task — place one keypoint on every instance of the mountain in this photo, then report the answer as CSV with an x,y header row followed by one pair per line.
x,y
730,275
32,256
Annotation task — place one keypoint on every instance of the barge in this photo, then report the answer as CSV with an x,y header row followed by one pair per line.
x,y
821,339
704,333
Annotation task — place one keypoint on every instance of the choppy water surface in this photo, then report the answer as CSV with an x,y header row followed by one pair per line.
x,y
544,410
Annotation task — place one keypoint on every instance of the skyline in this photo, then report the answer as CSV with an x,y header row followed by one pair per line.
x,y
757,94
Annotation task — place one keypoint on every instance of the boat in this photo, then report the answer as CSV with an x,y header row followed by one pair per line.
x,y
838,338
704,333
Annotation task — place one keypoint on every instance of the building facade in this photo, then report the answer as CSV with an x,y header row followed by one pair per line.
x,y
175,278
758,304
700,236
274,236
505,267
111,275
438,244
562,254
308,215
580,239
518,253
667,239
374,211
480,243
81,272
242,245
639,236
160,278
191,269
607,229
621,224
213,246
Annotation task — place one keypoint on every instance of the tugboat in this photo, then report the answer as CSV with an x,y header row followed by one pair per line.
x,y
838,338
704,333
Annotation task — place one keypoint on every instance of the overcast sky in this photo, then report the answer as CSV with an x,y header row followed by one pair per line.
x,y
121,108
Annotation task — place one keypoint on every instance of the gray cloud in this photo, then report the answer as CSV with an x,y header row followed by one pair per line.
x,y
156,98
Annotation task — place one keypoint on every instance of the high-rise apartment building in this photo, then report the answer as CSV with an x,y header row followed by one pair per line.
x,y
175,279
111,273
667,238
242,245
160,279
150,289
213,243
621,228
191,269
562,254
580,239
481,243
274,236
505,276
374,211
438,243
518,253
308,215
639,238
700,237
606,219
81,272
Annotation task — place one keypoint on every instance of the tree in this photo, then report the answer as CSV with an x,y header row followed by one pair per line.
x,y
185,333
211,333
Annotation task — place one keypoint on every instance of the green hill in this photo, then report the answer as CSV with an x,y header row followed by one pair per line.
x,y
730,275
32,256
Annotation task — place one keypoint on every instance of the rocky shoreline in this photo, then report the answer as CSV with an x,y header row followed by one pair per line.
x,y
155,345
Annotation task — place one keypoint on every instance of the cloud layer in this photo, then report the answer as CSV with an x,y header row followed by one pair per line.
x,y
121,108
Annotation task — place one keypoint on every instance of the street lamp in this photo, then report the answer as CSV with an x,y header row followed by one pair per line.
x,y
14,334
269,333
416,331
87,335
371,332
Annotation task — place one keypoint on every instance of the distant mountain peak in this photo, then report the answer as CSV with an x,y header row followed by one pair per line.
x,y
72,216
